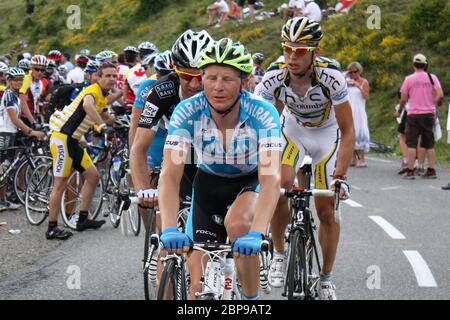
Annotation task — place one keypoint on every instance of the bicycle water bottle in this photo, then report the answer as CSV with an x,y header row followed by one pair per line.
x,y
229,278
213,277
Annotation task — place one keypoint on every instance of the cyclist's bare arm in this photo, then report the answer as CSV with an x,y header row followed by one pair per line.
x,y
22,126
24,108
135,116
89,107
344,119
116,95
138,158
169,186
269,175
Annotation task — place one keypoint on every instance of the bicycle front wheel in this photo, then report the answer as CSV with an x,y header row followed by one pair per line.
x,y
37,194
135,218
23,174
173,282
71,200
297,277
149,283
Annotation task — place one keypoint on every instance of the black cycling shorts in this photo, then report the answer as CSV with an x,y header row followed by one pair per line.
x,y
212,197
7,140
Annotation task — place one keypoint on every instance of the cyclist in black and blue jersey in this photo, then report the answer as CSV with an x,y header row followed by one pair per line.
x,y
165,94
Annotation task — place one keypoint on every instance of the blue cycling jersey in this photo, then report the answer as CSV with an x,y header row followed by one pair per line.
x,y
155,153
144,90
258,130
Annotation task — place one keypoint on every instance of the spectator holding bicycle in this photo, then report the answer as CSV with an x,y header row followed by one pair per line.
x,y
10,123
69,126
424,93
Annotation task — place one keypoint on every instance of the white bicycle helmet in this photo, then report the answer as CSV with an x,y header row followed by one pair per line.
x,y
15,73
189,46
131,49
147,48
149,59
164,63
24,64
3,67
38,60
123,121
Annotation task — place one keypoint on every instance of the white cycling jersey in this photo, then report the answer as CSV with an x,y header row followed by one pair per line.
x,y
315,109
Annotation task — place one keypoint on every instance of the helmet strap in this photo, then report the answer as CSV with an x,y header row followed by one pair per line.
x,y
223,114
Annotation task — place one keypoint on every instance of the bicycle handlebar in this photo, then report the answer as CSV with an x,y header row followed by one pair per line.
x,y
298,192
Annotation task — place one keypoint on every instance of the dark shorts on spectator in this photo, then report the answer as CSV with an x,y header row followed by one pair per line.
x,y
420,125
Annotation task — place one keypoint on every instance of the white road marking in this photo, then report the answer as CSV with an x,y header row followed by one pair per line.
x,y
388,228
390,188
379,160
435,188
355,187
421,270
352,203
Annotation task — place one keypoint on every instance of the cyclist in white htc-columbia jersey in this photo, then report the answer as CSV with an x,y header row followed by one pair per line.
x,y
316,120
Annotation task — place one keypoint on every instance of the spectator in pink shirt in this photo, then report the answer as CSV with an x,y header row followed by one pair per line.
x,y
423,91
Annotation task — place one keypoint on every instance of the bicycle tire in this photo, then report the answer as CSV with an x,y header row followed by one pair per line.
x,y
113,208
173,279
37,192
134,218
26,165
296,276
149,290
95,207
312,263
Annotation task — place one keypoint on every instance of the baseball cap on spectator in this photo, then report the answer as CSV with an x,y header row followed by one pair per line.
x,y
67,55
27,55
420,58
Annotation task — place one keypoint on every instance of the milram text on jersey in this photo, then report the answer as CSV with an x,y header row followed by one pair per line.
x,y
315,109
258,131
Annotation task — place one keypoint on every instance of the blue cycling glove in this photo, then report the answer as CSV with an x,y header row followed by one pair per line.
x,y
249,244
171,238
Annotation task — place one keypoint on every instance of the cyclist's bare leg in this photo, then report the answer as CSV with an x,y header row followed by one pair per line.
x,y
194,262
281,217
238,222
59,185
329,232
91,179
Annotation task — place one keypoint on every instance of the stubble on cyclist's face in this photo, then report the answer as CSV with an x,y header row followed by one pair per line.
x,y
108,79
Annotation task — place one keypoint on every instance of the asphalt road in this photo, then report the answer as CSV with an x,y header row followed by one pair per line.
x,y
394,244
